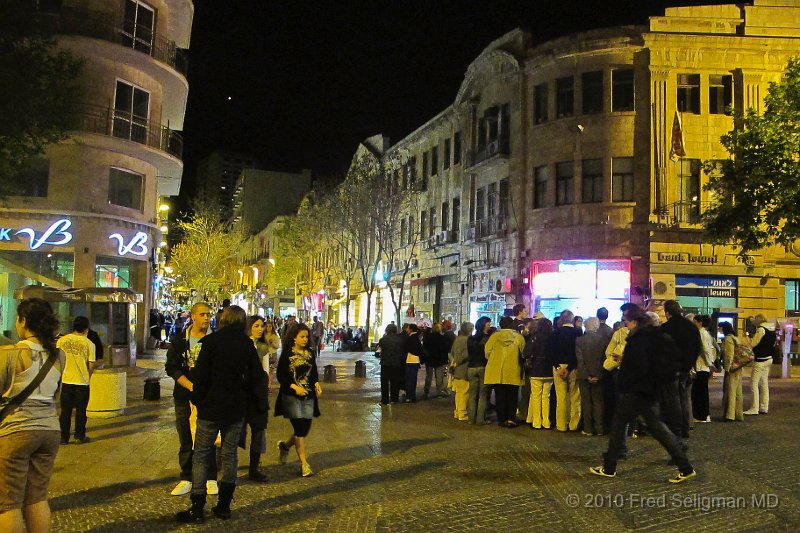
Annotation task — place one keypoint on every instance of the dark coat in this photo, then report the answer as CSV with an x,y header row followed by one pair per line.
x,y
228,375
392,350
687,338
645,361
436,346
538,363
562,347
476,350
177,365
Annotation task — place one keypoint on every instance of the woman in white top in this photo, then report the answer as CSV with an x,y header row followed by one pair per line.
x,y
702,370
30,434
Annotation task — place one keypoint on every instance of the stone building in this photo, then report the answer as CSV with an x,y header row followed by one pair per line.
x,y
552,179
92,219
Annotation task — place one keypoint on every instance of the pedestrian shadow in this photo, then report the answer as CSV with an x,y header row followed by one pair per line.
x,y
270,508
99,495
125,422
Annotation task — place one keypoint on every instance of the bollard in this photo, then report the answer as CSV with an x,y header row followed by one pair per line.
x,y
361,369
329,374
152,389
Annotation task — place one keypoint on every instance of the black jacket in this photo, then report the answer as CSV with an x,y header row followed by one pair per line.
x,y
413,345
227,376
476,350
286,378
392,350
436,348
687,338
645,361
177,364
561,347
538,363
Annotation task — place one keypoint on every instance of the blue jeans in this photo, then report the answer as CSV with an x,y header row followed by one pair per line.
x,y
204,439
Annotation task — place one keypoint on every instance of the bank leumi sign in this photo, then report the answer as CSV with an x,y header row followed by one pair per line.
x,y
60,233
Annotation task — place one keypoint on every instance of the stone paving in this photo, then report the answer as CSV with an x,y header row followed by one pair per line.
x,y
412,467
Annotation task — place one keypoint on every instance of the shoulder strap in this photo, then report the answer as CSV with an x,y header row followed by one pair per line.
x,y
17,400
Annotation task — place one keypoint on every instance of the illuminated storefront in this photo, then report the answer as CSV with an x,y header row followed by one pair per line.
x,y
580,285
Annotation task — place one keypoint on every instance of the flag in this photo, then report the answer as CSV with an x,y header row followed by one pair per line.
x,y
677,146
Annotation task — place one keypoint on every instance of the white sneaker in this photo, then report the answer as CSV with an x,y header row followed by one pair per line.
x,y
751,412
212,488
182,488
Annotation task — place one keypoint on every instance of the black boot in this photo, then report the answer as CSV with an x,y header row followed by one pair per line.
x,y
223,508
194,515
254,473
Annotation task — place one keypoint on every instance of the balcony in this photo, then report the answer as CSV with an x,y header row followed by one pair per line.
x,y
686,212
490,227
122,125
497,149
108,26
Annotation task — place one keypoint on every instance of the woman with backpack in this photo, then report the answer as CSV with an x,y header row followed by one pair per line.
x,y
764,342
732,405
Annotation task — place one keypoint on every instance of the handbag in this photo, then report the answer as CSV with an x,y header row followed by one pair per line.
x,y
742,356
7,405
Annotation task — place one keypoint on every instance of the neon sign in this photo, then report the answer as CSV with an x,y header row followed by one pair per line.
x,y
55,235
136,246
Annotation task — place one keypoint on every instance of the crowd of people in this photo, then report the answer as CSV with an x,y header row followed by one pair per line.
x,y
571,374
638,376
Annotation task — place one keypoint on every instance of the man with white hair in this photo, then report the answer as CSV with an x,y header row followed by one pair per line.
x,y
590,351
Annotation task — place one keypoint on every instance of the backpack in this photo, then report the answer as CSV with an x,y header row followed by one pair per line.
x,y
742,355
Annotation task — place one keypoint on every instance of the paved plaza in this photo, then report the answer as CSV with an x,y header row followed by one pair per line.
x,y
412,467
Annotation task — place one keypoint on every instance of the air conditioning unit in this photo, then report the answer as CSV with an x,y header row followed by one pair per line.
x,y
492,148
444,237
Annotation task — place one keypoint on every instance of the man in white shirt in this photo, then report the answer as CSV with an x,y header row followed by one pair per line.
x,y
80,359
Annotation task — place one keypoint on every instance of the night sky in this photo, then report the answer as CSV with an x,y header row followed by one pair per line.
x,y
300,83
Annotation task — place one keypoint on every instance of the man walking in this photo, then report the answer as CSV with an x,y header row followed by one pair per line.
x,y
81,356
643,368
675,393
181,357
318,332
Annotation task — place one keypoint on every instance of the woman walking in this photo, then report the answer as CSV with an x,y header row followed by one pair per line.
x,y
459,364
227,376
273,341
29,433
299,393
257,420
732,404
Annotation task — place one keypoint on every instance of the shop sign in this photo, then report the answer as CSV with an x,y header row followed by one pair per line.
x,y
136,246
489,281
55,235
685,257
705,287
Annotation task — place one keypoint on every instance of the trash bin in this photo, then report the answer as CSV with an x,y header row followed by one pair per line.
x,y
329,374
152,389
108,393
361,369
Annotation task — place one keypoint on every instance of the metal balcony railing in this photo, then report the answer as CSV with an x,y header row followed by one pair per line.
x,y
685,212
498,147
124,125
489,227
109,26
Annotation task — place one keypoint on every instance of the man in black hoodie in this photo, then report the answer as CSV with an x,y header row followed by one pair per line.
x,y
645,366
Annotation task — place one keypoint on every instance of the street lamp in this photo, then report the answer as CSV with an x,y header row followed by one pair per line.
x,y
163,208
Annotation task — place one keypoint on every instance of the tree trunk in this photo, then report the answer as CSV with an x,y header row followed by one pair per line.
x,y
368,326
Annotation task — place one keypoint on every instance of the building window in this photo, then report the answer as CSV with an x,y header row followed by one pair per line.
x,y
565,193
423,224
622,179
565,96
435,160
125,188
689,93
425,159
592,92
112,272
540,178
622,89
403,232
445,215
540,103
457,148
592,184
412,172
456,218
480,204
503,199
446,156
793,294
410,239
431,221
491,201
138,26
688,208
31,180
131,111
720,94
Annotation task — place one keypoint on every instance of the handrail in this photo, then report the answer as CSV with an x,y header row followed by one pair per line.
x,y
684,212
107,26
124,125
